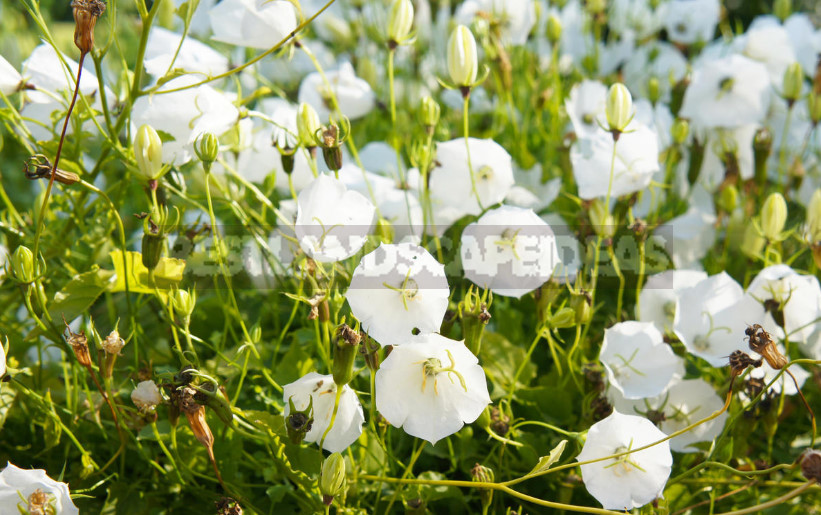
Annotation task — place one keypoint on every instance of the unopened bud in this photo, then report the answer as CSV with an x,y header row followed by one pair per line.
x,y
619,108
728,198
482,474
680,131
23,265
369,350
565,317
762,146
793,83
601,219
207,148
782,9
814,107
752,243
307,123
463,59
580,302
773,216
430,113
554,29
148,152
146,396
814,217
86,13
653,90
346,345
184,301
400,22
152,246
384,231
332,478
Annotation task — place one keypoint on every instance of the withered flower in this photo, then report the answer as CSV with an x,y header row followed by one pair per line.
x,y
79,343
740,360
762,343
86,13
39,167
811,465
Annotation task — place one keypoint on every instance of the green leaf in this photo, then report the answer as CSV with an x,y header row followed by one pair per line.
x,y
80,293
7,396
274,424
501,360
545,462
167,274
186,11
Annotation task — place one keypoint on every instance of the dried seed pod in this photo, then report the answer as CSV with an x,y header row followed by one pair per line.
x,y
79,343
762,343
739,361
811,465
86,13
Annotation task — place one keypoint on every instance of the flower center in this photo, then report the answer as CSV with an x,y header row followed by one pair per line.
x,y
623,465
669,309
432,367
407,290
701,342
38,504
485,173
509,240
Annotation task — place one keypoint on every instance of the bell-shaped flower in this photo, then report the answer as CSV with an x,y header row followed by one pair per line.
x,y
639,17
727,92
690,21
431,386
718,143
638,361
10,78
354,95
161,55
252,23
319,392
184,116
632,480
658,60
451,183
515,18
397,289
657,300
332,223
712,315
509,250
788,294
692,236
637,159
682,404
22,489
769,45
585,107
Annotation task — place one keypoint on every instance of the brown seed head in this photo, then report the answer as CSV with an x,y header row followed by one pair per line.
x,y
79,343
811,465
762,343
38,503
739,361
86,13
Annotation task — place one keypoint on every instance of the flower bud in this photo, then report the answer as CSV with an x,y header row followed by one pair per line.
x,y
206,147
680,131
152,245
762,146
793,83
565,317
400,22
481,474
603,223
307,123
369,350
346,344
463,59
554,29
384,231
146,396
86,13
773,216
814,217
148,152
298,423
619,108
728,198
23,265
653,90
580,302
184,301
814,107
782,9
752,243
430,113
332,478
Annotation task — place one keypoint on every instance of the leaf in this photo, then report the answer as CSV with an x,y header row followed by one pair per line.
x,y
274,424
545,462
167,274
80,293
186,11
501,361
7,396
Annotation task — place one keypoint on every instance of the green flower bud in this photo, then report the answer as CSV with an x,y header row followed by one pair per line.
x,y
793,83
619,108
580,302
554,29
680,131
482,474
215,398
346,345
728,199
307,123
463,59
596,6
400,22
152,249
23,265
207,147
773,216
430,113
782,9
565,317
332,477
184,301
602,220
814,217
752,243
384,231
148,152
814,107
762,146
653,90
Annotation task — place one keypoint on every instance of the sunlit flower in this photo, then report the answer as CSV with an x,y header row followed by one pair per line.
x,y
794,296
354,95
585,107
193,56
682,404
630,481
658,60
319,392
22,488
515,18
397,289
10,78
769,45
509,250
636,16
431,386
252,23
638,361
711,317
657,300
690,21
332,222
